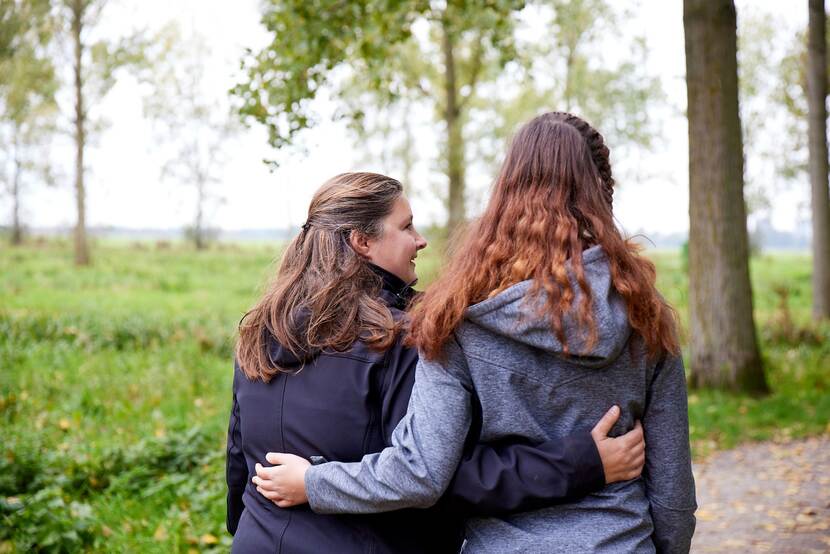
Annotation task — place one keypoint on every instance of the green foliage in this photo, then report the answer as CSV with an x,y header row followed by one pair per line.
x,y
114,395
28,85
23,24
101,60
310,40
773,80
47,521
566,71
374,41
46,495
93,333
467,63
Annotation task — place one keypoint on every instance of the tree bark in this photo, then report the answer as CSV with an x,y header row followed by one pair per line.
x,y
17,231
198,230
455,140
81,244
724,348
817,131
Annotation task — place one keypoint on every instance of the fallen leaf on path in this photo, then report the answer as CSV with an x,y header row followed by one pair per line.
x,y
704,515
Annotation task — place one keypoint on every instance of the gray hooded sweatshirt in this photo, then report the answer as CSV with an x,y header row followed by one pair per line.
x,y
507,355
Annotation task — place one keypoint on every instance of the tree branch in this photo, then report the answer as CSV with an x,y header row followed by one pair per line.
x,y
478,54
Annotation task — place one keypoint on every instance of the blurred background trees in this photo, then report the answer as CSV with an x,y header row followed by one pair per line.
x,y
468,63
94,66
27,101
190,125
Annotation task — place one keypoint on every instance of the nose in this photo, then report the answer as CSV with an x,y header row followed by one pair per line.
x,y
420,242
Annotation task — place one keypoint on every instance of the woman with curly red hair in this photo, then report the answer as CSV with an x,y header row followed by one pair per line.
x,y
544,316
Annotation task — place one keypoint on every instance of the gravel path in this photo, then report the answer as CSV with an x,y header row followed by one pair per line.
x,y
765,497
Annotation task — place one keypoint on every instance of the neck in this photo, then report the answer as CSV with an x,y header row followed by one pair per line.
x,y
400,291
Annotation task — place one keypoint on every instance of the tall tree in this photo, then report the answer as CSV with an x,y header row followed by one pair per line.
x,y
565,70
374,41
724,347
389,63
190,124
78,10
94,66
27,100
818,164
757,36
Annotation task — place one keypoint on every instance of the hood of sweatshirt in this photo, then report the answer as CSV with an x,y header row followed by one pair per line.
x,y
514,313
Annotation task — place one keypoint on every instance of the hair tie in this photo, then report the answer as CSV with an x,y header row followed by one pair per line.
x,y
306,226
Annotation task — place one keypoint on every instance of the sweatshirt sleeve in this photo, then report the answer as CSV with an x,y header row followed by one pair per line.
x,y
426,447
668,475
236,470
500,477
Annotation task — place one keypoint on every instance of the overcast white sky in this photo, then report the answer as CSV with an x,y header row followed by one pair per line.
x,y
124,188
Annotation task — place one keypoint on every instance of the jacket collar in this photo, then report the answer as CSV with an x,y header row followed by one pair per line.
x,y
394,290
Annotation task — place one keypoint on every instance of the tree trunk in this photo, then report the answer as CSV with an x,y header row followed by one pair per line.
x,y
817,121
569,63
81,243
455,140
408,149
198,227
724,348
17,231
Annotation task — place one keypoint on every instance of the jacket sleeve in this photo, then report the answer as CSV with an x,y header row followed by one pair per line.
x,y
497,478
236,470
668,475
426,447
508,476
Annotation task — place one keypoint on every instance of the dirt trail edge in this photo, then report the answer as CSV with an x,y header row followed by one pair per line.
x,y
765,497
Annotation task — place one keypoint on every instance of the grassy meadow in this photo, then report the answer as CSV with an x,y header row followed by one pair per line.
x,y
115,386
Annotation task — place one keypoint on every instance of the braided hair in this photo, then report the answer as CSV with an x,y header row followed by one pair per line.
x,y
599,150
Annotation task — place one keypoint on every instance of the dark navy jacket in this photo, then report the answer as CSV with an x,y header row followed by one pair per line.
x,y
343,405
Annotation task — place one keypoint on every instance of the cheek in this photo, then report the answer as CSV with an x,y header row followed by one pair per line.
x,y
411,246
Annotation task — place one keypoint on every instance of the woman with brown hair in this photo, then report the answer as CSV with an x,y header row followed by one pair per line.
x,y
544,316
322,372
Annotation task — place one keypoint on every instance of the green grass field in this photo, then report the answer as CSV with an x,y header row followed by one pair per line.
x,y
115,387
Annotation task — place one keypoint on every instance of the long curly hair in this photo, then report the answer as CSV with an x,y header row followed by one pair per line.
x,y
552,200
325,296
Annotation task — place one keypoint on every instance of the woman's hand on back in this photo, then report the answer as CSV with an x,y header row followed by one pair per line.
x,y
284,483
622,457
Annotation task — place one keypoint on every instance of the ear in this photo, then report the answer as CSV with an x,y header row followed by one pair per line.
x,y
359,243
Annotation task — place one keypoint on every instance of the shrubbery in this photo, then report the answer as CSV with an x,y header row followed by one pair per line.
x,y
44,495
126,333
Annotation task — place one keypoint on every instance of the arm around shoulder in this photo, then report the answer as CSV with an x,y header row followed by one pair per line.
x,y
426,448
